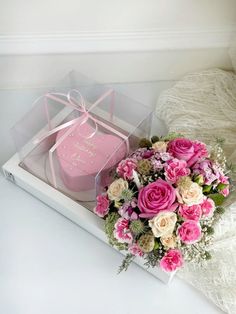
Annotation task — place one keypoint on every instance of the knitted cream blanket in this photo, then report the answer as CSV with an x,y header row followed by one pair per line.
x,y
203,106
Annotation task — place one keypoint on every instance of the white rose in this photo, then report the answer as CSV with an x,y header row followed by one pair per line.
x,y
191,195
163,223
115,190
160,147
169,241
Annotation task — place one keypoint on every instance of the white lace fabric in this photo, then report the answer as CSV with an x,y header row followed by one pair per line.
x,y
203,106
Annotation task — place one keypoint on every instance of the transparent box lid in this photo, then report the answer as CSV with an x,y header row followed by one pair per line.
x,y
77,132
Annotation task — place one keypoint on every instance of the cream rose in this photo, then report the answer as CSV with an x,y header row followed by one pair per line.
x,y
169,241
163,223
191,195
115,190
160,147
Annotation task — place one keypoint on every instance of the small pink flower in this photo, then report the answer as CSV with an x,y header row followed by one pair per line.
x,y
102,207
211,172
126,167
127,210
193,212
122,232
208,207
157,165
135,250
174,169
224,179
165,156
148,153
172,260
189,232
225,191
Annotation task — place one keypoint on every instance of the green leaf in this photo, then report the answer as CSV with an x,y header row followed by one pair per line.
x,y
199,179
154,139
221,186
206,188
217,198
156,245
207,255
220,210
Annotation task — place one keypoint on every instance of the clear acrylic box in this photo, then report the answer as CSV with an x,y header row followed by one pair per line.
x,y
76,134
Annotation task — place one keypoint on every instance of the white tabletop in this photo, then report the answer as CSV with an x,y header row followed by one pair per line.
x,y
50,265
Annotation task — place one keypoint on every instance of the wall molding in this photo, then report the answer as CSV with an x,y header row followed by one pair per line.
x,y
116,41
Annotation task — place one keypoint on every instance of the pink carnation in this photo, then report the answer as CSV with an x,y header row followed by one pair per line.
x,y
224,180
174,169
185,149
155,197
172,260
208,207
122,232
135,250
193,212
102,207
225,191
189,232
126,167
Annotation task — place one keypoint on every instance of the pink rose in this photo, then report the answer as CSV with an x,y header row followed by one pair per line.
x,y
193,212
135,250
185,149
126,167
102,207
155,197
122,232
174,169
208,207
189,232
172,260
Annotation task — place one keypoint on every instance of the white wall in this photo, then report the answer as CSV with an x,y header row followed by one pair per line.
x,y
22,16
118,41
43,70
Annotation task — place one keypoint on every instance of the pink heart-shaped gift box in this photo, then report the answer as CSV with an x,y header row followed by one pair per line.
x,y
81,158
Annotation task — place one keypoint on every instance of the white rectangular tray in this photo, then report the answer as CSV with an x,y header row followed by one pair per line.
x,y
67,207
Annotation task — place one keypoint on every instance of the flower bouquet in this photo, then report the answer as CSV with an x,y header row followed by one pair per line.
x,y
165,201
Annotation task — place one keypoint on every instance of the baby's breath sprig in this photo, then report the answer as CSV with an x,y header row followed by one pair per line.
x,y
171,136
217,153
153,258
126,262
